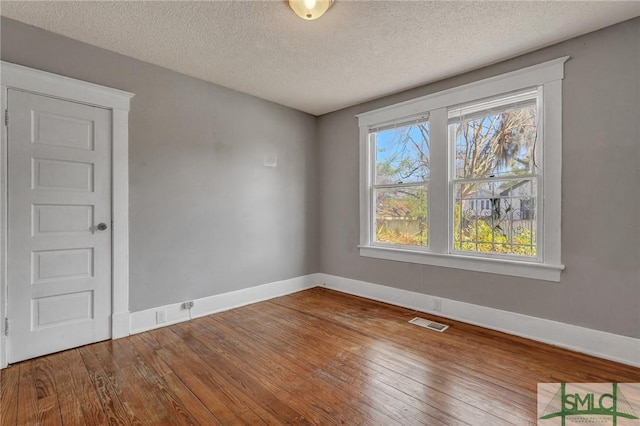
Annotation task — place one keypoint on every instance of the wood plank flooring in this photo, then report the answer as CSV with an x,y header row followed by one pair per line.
x,y
314,357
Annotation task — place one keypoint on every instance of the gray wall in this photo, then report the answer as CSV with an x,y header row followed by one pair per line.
x,y
206,216
600,288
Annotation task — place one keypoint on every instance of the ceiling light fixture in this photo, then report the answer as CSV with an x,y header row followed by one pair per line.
x,y
310,9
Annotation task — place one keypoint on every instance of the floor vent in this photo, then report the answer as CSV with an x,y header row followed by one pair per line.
x,y
436,326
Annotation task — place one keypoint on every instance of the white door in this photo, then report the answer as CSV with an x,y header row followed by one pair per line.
x,y
59,216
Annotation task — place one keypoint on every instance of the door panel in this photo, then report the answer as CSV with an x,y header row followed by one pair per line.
x,y
62,175
62,219
59,262
65,308
54,129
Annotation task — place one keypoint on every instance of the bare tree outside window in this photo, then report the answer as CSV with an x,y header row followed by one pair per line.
x,y
402,173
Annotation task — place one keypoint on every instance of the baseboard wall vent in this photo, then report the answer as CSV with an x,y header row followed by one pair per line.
x,y
431,325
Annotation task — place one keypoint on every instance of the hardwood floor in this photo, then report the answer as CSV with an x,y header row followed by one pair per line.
x,y
314,357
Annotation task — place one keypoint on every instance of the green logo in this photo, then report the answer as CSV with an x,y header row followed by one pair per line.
x,y
581,403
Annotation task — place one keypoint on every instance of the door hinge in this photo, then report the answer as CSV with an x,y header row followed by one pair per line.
x,y
6,117
6,326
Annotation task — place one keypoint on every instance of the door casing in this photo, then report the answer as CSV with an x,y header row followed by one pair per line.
x,y
44,83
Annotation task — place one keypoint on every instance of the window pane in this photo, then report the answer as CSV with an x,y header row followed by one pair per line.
x,y
496,217
401,216
499,142
402,154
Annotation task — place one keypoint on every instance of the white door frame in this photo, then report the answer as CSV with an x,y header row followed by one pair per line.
x,y
18,77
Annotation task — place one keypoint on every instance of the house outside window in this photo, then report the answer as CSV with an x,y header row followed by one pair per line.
x,y
457,178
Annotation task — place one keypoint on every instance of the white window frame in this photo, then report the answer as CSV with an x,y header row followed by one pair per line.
x,y
547,78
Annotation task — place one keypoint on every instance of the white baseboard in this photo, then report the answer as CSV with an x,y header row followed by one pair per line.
x,y
120,325
174,313
3,353
601,344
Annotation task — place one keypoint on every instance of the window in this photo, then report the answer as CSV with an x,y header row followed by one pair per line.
x,y
401,184
457,178
494,145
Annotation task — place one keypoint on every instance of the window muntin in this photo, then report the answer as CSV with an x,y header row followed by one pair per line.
x,y
495,145
401,170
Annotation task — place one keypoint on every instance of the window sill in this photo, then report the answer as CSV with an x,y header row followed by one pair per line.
x,y
537,271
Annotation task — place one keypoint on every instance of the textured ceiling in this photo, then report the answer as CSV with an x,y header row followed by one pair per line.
x,y
358,51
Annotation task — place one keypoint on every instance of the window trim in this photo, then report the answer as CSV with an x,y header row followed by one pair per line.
x,y
548,77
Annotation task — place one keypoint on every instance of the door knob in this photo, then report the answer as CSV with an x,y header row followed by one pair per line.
x,y
102,226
